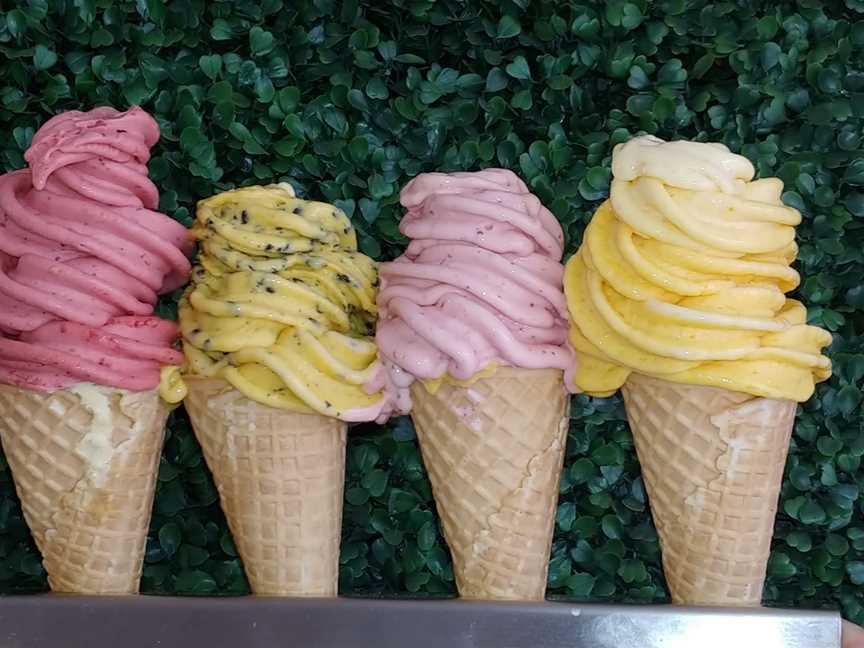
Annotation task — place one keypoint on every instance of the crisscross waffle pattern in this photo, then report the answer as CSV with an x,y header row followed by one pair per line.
x,y
281,478
494,452
89,523
713,462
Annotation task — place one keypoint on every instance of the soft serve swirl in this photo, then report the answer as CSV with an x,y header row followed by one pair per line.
x,y
84,255
282,305
682,275
479,284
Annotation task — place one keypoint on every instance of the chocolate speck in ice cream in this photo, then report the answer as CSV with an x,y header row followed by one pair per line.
x,y
84,255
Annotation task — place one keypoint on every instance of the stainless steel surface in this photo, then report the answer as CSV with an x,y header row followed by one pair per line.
x,y
247,622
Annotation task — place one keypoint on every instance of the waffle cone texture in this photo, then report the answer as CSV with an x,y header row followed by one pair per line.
x,y
281,478
84,461
713,463
494,452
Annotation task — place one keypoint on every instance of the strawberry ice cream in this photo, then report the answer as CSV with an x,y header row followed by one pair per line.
x,y
84,255
480,284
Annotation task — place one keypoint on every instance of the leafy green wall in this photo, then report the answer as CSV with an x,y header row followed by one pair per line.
x,y
351,99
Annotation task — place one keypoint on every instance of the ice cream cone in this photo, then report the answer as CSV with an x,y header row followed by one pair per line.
x,y
712,461
494,451
281,477
84,461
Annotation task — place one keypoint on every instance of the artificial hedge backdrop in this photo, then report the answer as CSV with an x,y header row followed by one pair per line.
x,y
348,100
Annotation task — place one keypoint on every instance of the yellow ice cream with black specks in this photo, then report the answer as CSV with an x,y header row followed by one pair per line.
x,y
282,304
683,273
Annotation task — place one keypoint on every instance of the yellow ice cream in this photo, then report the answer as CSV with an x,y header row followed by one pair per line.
x,y
434,384
172,389
282,305
682,275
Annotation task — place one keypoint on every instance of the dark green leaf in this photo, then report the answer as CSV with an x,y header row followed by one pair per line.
x,y
101,38
612,527
496,80
811,513
581,584
402,501
855,569
195,582
632,571
43,58
519,69
211,65
170,538
508,27
375,482
426,537
261,41
566,516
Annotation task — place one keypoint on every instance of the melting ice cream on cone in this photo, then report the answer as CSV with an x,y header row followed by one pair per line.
x,y
277,330
677,296
85,368
473,331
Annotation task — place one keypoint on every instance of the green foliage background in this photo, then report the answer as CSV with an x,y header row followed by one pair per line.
x,y
350,99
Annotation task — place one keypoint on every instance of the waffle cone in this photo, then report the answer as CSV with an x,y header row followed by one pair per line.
x,y
494,451
713,463
84,461
281,478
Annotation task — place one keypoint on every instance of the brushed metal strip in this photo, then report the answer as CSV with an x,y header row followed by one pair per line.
x,y
46,621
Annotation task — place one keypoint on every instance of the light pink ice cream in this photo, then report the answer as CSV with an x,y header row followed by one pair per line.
x,y
480,282
84,256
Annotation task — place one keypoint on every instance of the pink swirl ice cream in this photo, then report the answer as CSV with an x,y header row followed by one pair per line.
x,y
84,255
479,285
